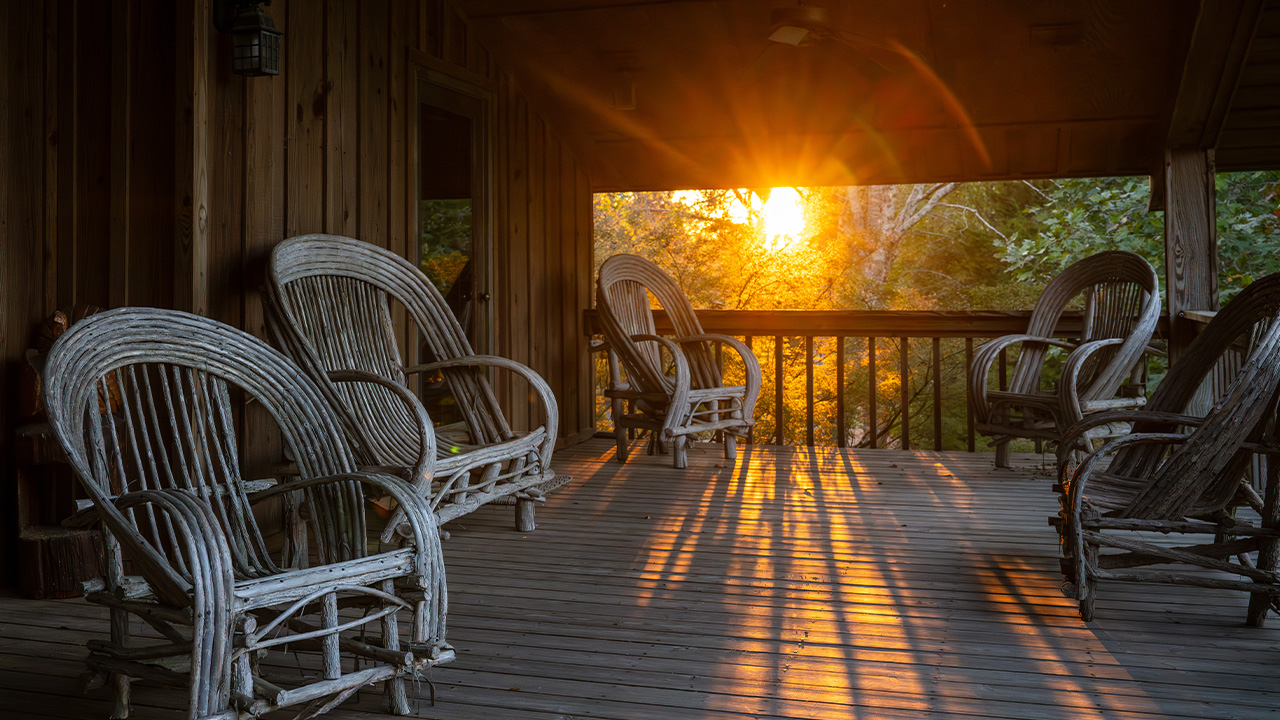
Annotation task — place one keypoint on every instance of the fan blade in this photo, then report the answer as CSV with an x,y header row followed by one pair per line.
x,y
759,65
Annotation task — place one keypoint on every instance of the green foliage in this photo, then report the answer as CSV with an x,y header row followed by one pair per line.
x,y
445,238
1075,218
986,246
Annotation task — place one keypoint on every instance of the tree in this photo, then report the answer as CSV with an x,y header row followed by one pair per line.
x,y
967,246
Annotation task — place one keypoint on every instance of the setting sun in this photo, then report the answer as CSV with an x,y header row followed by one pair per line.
x,y
783,217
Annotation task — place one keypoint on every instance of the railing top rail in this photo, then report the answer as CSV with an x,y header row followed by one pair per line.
x,y
867,323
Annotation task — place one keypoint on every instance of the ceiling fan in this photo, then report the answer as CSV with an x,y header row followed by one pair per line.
x,y
803,25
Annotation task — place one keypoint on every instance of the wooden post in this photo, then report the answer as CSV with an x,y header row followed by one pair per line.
x,y
1190,241
191,157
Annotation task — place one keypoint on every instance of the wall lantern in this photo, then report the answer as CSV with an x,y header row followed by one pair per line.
x,y
255,42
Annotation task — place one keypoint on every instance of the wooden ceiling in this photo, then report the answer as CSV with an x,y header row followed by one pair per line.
x,y
672,94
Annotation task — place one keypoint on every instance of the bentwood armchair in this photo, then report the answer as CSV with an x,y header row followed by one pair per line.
x,y
1181,472
330,303
1120,298
142,402
692,398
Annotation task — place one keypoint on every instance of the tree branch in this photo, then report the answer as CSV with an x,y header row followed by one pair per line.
x,y
978,215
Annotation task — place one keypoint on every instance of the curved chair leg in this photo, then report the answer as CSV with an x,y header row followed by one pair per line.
x,y
1089,583
118,683
730,446
1260,602
526,515
1002,454
619,432
397,689
1269,549
680,451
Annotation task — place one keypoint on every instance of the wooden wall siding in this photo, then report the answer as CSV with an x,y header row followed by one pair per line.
x,y
120,140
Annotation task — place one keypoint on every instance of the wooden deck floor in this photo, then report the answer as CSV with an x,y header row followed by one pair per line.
x,y
875,586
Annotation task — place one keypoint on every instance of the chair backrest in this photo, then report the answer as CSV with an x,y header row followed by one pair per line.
x,y
330,309
1202,475
141,399
623,289
1121,297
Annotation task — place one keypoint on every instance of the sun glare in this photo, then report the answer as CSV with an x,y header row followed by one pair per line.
x,y
783,218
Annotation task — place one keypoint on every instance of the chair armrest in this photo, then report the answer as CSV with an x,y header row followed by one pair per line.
x,y
1081,427
425,467
986,356
682,383
209,576
1069,384
550,408
1074,488
750,364
416,509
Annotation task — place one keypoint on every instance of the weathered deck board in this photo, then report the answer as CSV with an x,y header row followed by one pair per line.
x,y
878,585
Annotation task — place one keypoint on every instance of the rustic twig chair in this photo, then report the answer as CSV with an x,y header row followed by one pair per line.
x,y
1181,469
330,303
693,398
1121,303
141,401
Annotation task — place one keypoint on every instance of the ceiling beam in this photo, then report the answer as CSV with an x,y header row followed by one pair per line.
x,y
1219,45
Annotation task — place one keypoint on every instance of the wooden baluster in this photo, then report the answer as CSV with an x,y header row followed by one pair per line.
x,y
778,385
937,393
808,381
871,399
840,431
751,431
904,374
968,405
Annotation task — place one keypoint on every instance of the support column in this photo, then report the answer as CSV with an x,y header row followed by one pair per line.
x,y
1190,240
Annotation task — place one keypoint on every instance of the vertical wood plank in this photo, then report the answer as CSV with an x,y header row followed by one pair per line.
x,y
454,37
374,119
341,117
547,264
399,183
303,73
502,232
536,270
570,309
92,157
152,192
65,131
25,184
518,259
267,109
49,140
228,284
433,26
584,230
122,32
192,119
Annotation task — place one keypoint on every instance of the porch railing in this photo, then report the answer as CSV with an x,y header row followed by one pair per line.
x,y
932,350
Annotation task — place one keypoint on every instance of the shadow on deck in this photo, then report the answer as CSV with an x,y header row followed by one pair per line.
x,y
794,584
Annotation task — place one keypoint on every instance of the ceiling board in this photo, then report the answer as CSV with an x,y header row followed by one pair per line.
x,y
691,93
